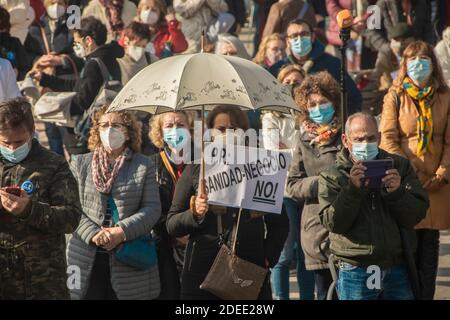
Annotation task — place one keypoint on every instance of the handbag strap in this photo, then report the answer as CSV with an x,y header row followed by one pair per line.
x,y
236,230
44,38
114,211
72,64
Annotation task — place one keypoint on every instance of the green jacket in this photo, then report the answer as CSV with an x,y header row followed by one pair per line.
x,y
364,224
32,245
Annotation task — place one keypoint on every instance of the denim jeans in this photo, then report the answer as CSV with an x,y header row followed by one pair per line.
x,y
55,137
358,283
280,273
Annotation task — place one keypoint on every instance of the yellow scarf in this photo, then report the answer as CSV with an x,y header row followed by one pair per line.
x,y
425,119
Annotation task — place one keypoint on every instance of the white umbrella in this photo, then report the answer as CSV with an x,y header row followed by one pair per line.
x,y
203,80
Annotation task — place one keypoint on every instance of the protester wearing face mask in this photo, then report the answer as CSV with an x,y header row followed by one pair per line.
x,y
136,38
305,50
260,238
89,43
49,44
21,16
272,49
120,201
316,149
168,39
39,204
364,219
170,133
415,123
388,61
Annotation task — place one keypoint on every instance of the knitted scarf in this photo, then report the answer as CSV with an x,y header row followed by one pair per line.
x,y
321,134
425,119
104,172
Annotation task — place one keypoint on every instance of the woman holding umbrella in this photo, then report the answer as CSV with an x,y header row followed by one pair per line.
x,y
199,221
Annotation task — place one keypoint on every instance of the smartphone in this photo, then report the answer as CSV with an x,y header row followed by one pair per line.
x,y
15,190
376,171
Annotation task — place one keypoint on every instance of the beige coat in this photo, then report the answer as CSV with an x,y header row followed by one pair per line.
x,y
96,10
398,129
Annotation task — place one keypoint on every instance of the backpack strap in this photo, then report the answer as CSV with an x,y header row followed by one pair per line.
x,y
105,73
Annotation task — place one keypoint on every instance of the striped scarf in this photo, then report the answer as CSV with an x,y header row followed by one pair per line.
x,y
104,172
321,134
425,119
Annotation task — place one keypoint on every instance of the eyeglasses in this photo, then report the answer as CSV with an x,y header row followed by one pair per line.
x,y
115,125
299,34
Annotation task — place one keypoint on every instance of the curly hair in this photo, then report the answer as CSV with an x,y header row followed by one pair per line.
x,y
134,129
321,83
261,54
156,132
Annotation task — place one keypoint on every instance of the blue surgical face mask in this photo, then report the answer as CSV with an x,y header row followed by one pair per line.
x,y
301,46
364,151
17,155
322,114
419,69
176,137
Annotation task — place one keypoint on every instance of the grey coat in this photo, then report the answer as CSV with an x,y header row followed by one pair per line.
x,y
302,185
136,195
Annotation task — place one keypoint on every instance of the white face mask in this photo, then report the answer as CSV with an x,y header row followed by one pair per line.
x,y
112,138
135,53
149,17
56,11
79,50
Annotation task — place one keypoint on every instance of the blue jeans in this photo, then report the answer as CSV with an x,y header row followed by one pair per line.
x,y
354,283
55,137
280,273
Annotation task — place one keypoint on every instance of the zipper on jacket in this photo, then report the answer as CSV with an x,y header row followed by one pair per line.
x,y
372,196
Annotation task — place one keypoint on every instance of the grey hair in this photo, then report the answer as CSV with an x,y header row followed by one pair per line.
x,y
366,116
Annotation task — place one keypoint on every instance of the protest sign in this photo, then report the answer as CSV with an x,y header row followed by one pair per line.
x,y
251,178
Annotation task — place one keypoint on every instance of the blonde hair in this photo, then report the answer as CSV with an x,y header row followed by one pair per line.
x,y
49,2
261,54
288,69
134,130
159,4
156,132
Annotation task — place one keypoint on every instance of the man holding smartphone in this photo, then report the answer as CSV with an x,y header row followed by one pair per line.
x,y
38,204
364,218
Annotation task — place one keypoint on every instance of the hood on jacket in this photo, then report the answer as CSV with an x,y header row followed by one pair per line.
x,y
111,50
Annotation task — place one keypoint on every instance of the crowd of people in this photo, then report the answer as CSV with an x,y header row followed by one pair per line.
x,y
114,178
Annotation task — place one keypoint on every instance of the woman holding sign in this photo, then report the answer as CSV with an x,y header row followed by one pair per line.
x,y
316,150
260,238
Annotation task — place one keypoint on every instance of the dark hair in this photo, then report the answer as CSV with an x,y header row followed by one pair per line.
x,y
300,22
237,117
16,113
5,23
94,28
137,31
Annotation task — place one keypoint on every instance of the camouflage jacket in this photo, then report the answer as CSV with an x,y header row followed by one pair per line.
x,y
32,245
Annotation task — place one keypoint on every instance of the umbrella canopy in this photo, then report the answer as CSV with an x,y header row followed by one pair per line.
x,y
203,80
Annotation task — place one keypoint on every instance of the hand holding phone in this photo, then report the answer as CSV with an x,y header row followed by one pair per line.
x,y
377,171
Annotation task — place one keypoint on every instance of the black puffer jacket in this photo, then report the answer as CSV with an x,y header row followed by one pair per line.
x,y
253,244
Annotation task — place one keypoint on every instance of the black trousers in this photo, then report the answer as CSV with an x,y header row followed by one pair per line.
x,y
427,261
168,273
100,287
